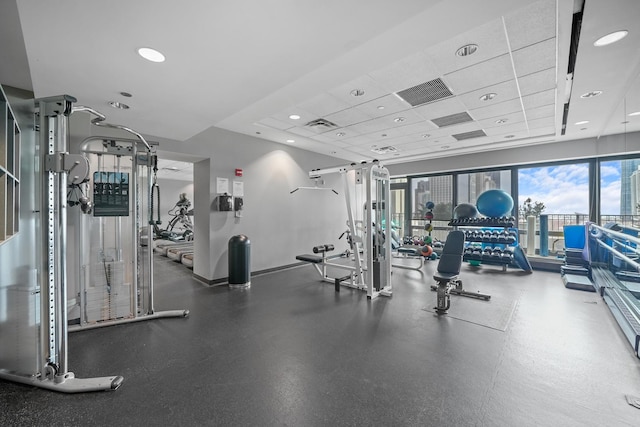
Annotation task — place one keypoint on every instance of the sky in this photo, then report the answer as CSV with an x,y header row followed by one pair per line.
x,y
565,189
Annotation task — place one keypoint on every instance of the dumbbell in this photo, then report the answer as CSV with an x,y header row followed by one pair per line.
x,y
496,254
502,237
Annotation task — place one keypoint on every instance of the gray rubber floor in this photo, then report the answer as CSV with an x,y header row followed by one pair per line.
x,y
290,351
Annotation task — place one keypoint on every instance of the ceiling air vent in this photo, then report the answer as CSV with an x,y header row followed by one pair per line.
x,y
453,119
385,150
433,90
321,125
469,135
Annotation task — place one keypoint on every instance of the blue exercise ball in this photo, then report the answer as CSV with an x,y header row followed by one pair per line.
x,y
429,205
465,210
495,203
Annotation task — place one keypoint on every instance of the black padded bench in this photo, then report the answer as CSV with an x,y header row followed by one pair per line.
x,y
314,259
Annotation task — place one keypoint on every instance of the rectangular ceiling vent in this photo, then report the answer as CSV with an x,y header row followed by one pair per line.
x,y
424,93
453,119
469,135
385,150
321,125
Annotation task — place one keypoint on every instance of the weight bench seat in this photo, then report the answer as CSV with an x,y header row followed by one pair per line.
x,y
314,259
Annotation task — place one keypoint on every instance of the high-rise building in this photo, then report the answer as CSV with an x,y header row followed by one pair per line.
x,y
634,190
627,169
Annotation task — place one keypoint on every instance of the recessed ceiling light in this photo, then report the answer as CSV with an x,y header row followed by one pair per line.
x,y
488,96
444,147
509,136
334,152
294,117
171,168
467,49
583,128
426,135
291,141
340,134
501,121
625,122
151,54
399,119
357,92
380,107
635,113
582,122
126,94
611,38
119,105
374,146
383,135
591,94
258,133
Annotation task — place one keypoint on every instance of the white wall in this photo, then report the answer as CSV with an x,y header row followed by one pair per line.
x,y
280,225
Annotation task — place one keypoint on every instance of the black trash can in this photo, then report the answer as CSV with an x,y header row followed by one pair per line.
x,y
239,262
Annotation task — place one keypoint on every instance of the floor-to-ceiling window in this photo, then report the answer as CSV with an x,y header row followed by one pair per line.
x,y
471,185
559,192
439,191
620,191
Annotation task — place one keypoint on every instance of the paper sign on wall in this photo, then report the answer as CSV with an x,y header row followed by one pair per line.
x,y
222,185
238,189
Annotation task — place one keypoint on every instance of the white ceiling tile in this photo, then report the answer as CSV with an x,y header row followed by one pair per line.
x,y
489,38
422,127
541,112
406,73
440,108
323,104
542,122
539,99
372,90
359,140
416,145
504,91
543,131
348,117
515,117
391,103
275,124
534,58
478,76
302,131
531,24
506,129
538,82
496,110
370,126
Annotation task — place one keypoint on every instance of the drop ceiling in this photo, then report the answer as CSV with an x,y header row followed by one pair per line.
x,y
368,79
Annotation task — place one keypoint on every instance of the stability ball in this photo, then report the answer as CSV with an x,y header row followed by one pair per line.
x,y
465,210
429,205
495,203
426,251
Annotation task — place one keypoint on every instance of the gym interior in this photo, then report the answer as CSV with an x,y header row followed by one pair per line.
x,y
402,213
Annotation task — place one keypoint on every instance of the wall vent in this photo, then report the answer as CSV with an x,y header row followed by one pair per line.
x,y
453,119
321,125
424,93
469,135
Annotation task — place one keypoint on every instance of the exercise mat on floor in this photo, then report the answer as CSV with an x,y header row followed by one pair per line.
x,y
494,314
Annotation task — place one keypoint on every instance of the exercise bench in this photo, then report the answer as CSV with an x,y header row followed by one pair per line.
x,y
448,273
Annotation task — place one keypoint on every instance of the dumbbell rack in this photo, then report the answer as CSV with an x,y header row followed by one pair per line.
x,y
497,246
